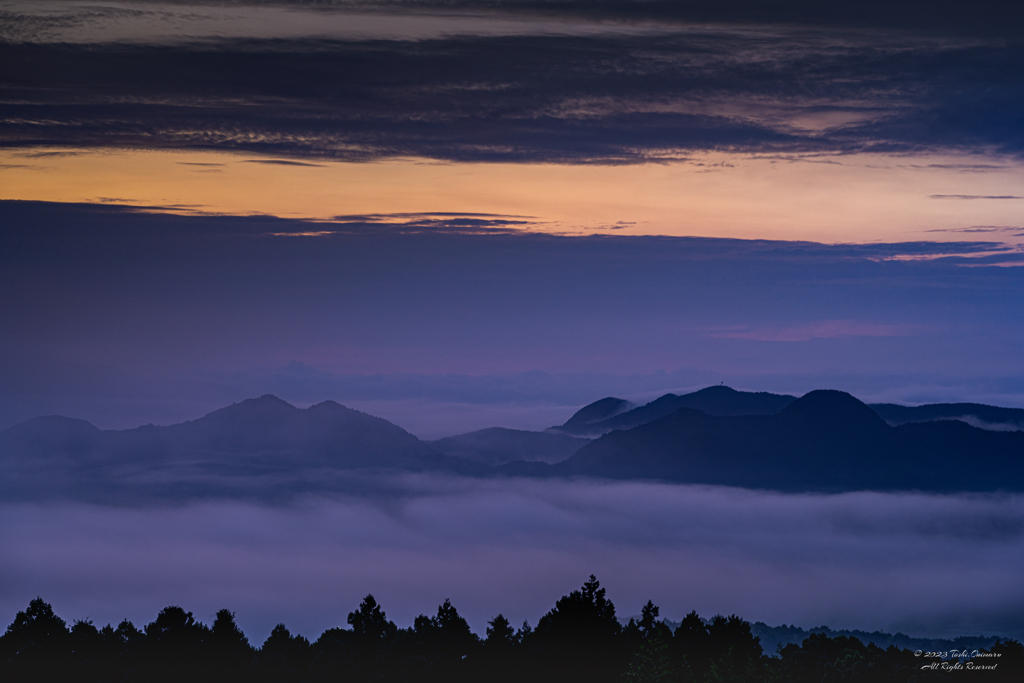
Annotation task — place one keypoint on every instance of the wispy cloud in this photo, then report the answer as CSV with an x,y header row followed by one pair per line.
x,y
996,229
47,154
974,196
279,162
964,168
412,223
823,329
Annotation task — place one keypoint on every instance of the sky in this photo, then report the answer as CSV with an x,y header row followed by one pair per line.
x,y
465,214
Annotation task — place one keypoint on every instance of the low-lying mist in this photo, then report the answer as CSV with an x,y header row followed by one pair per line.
x,y
926,565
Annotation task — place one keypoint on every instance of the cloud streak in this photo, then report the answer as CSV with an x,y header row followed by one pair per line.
x,y
975,196
824,329
279,162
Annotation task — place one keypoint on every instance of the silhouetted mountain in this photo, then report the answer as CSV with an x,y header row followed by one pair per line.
x,y
262,445
49,433
266,448
975,414
326,434
824,441
717,400
497,446
591,414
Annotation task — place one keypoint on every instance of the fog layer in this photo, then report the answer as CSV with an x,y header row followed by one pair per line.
x,y
926,565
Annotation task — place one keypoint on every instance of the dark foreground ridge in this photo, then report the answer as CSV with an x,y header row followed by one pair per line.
x,y
579,640
266,449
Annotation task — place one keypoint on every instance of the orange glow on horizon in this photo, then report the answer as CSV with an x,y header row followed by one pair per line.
x,y
863,198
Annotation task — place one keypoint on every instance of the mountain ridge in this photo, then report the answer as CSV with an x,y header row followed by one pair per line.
x,y
825,441
264,443
714,400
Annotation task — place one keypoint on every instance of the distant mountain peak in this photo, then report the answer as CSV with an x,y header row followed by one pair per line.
x,y
714,400
245,441
266,407
824,441
264,402
825,399
328,406
716,389
267,400
830,406
55,425
598,411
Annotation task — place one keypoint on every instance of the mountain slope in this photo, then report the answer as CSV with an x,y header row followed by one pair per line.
x,y
824,441
717,400
583,421
266,448
260,445
976,414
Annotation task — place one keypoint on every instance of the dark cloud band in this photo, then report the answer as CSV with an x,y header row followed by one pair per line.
x,y
607,98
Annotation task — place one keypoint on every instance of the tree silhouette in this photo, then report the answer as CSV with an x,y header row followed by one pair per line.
x,y
690,648
36,645
89,649
649,617
583,615
847,659
1009,663
652,662
284,657
442,643
373,638
127,635
37,625
230,649
369,623
500,634
734,653
175,645
577,639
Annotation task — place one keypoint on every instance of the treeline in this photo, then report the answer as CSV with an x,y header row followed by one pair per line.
x,y
773,637
579,639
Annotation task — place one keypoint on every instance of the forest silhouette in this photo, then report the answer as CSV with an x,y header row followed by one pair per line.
x,y
579,639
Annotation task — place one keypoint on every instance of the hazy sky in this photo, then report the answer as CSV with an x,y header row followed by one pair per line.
x,y
125,318
466,214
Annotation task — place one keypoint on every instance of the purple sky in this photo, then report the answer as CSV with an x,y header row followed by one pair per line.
x,y
126,318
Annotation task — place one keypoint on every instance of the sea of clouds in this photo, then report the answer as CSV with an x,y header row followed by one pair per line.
x,y
926,565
